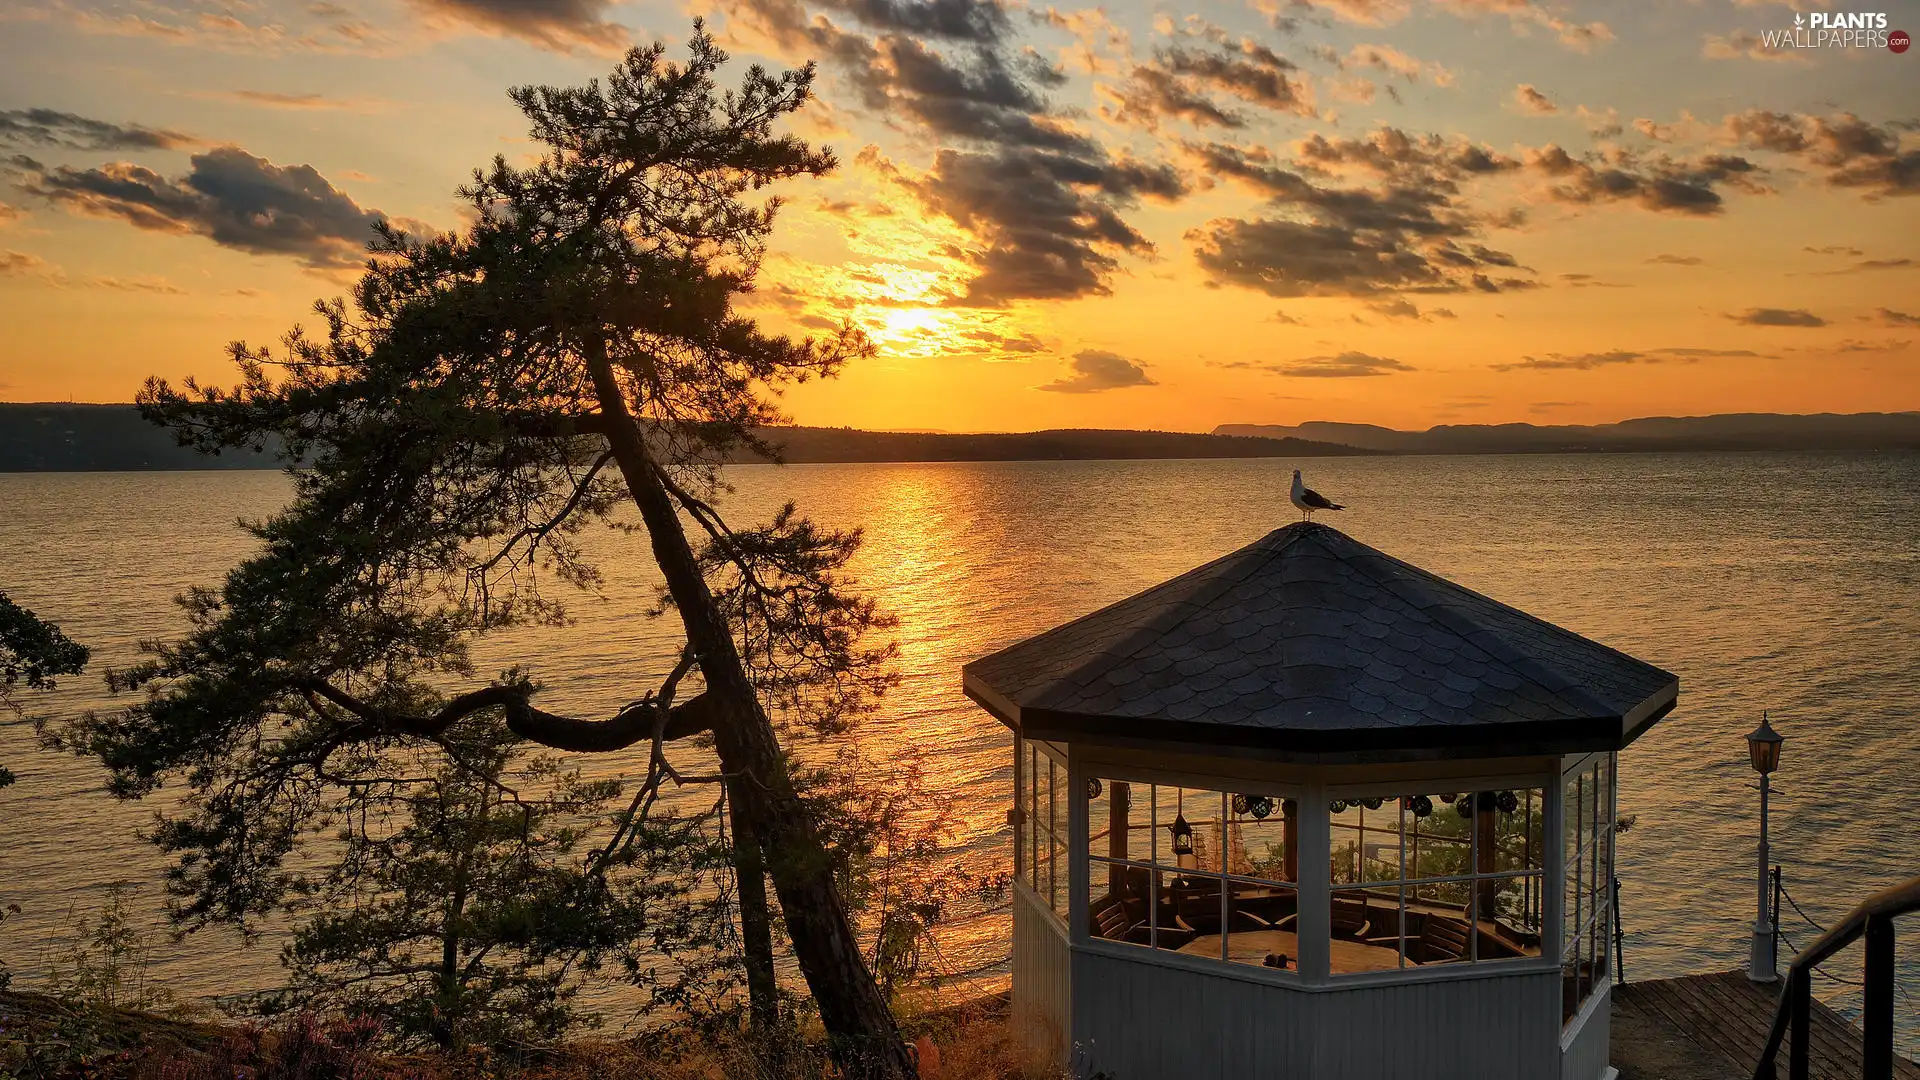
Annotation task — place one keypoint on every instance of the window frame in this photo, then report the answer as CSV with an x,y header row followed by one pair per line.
x,y
1312,795
1403,885
1154,782
1033,826
1588,870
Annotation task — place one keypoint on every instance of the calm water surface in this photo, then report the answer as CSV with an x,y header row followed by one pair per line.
x,y
1783,582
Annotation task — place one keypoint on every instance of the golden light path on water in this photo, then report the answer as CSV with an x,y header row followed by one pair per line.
x,y
1767,581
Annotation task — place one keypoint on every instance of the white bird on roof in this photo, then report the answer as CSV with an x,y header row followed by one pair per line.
x,y
1309,500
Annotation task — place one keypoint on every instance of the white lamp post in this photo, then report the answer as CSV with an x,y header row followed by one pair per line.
x,y
1763,746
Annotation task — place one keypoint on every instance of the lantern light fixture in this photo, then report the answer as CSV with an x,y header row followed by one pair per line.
x,y
1763,746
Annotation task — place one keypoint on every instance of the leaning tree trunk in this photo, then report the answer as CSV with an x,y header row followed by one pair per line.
x,y
756,919
865,1041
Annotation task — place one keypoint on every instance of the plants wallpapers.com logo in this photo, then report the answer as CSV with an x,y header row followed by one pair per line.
x,y
1838,30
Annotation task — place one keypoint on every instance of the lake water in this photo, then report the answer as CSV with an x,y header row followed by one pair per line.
x,y
1784,582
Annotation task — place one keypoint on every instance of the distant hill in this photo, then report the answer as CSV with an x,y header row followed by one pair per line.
x,y
1731,431
99,438
808,444
112,438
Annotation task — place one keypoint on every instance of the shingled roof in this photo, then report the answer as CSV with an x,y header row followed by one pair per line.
x,y
1310,644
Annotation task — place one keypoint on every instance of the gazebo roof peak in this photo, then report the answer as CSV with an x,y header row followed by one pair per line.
x,y
1307,643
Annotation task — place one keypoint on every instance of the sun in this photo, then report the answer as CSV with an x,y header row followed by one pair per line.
x,y
911,322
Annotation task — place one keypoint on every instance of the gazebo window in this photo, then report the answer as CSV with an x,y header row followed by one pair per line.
x,y
1435,878
1040,829
1587,906
1193,870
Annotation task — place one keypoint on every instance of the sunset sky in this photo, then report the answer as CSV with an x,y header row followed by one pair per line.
x,y
1403,212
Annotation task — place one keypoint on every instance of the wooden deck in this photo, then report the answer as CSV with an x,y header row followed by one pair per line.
x,y
1727,1017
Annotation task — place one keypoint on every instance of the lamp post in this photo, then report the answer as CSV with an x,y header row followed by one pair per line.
x,y
1763,746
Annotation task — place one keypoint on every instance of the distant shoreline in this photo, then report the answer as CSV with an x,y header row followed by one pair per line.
x,y
114,438
1668,434
763,464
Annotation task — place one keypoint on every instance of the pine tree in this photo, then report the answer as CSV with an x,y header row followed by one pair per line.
x,y
572,351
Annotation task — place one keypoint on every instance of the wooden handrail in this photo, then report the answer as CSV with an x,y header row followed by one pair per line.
x,y
1873,918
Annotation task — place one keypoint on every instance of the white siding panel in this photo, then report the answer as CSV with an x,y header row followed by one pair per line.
x,y
1137,1020
1471,1029
1041,977
1585,1057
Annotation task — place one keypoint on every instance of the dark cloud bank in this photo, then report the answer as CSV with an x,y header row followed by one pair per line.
x,y
1094,370
228,196
66,131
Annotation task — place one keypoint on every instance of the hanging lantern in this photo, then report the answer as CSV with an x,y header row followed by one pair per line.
x,y
1240,804
1420,805
1093,787
1182,836
1508,802
1337,806
1371,804
1260,806
1450,799
1464,805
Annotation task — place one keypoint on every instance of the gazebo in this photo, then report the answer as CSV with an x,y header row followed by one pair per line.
x,y
1311,811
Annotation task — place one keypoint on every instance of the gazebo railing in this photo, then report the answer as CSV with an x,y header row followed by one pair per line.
x,y
1873,919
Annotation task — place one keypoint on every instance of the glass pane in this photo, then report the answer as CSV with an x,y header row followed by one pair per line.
x,y
1514,927
1197,907
1571,899
1040,870
1344,853
1257,832
1062,805
1366,930
1117,903
1169,931
1035,818
1519,830
1593,867
1188,833
1017,817
1099,796
1390,927
1439,927
1608,779
1119,820
1586,960
1365,840
1134,803
1573,821
1209,828
1262,924
1602,953
1440,844
1603,870
1062,882
1026,813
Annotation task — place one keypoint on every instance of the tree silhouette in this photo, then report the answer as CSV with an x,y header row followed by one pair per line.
x,y
571,352
33,655
462,904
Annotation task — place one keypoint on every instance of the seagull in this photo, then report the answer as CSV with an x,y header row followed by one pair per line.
x,y
1309,500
